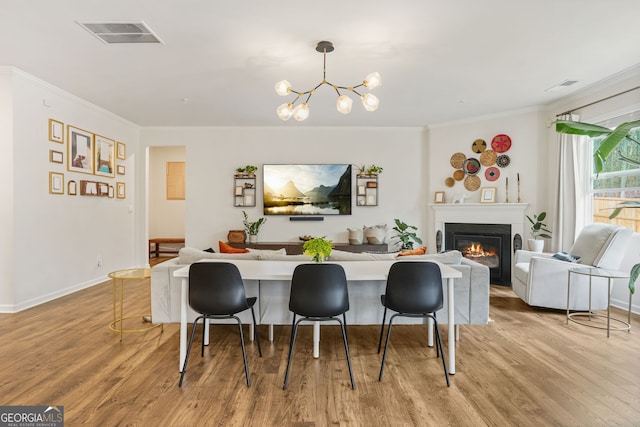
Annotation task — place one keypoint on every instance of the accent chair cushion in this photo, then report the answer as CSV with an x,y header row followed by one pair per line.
x,y
594,241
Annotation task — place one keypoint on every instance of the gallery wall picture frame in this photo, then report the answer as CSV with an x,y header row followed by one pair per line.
x,y
88,188
120,169
79,150
439,197
121,152
72,188
111,192
488,195
56,156
56,183
104,152
56,131
103,189
121,190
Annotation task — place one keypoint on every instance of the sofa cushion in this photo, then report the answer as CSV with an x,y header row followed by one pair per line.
x,y
227,249
260,252
187,256
418,251
337,255
449,258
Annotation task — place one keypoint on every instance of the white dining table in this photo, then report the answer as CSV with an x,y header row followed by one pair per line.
x,y
283,270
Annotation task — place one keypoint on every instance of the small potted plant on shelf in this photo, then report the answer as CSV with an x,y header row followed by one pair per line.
x,y
406,238
319,248
374,170
252,227
239,172
538,229
250,170
362,170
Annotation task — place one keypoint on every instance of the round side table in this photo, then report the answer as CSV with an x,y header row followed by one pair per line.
x,y
578,316
119,278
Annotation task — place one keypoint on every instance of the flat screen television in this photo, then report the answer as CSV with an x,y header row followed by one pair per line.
x,y
317,189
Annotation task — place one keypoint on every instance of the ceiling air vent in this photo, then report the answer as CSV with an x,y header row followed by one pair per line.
x,y
121,32
561,85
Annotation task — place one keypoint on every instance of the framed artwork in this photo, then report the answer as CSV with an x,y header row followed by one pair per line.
x,y
104,150
88,188
439,197
488,195
103,189
120,169
56,183
238,190
56,131
56,156
79,150
72,188
111,192
122,151
121,190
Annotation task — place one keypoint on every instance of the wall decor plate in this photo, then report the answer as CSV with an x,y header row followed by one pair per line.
x,y
478,146
472,183
449,182
488,158
458,175
471,166
457,160
503,160
501,143
492,174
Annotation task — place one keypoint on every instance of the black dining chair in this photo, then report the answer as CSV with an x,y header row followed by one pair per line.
x,y
318,293
414,289
216,291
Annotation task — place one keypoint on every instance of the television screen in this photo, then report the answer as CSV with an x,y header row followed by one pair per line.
x,y
323,189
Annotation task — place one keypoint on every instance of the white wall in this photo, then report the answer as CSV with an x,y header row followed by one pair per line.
x,y
6,188
57,238
213,154
166,217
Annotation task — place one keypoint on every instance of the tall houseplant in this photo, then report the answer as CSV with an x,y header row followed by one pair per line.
x,y
538,229
406,238
252,227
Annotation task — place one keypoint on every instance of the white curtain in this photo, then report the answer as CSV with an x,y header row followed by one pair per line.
x,y
573,178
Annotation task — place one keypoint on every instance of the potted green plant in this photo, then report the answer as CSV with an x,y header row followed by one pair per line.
x,y
319,248
239,172
406,238
374,170
538,229
362,170
250,170
252,227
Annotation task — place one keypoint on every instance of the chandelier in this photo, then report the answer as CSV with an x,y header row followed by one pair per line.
x,y
300,112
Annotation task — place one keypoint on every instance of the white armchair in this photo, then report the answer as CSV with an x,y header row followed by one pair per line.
x,y
541,280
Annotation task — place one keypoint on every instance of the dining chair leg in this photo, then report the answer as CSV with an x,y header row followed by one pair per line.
x,y
384,318
439,344
255,328
244,353
204,331
186,359
346,349
386,345
292,341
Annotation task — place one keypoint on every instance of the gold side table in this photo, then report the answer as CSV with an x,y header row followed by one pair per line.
x,y
609,275
121,277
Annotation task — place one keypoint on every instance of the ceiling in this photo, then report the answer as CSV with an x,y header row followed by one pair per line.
x,y
440,60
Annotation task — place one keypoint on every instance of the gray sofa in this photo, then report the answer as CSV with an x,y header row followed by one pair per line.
x,y
471,299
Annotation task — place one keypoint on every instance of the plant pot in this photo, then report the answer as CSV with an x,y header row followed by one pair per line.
x,y
375,235
356,236
536,245
236,236
253,238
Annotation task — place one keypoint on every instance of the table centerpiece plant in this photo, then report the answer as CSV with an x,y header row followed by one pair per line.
x,y
318,248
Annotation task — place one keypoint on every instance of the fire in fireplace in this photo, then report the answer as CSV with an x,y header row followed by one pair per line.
x,y
488,244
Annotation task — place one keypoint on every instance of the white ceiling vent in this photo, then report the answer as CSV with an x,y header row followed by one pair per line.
x,y
561,85
121,32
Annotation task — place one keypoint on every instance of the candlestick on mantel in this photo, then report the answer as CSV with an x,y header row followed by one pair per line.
x,y
518,187
507,190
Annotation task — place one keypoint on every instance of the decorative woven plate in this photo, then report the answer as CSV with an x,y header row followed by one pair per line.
x,y
488,158
458,175
501,143
503,161
457,160
471,166
478,146
472,183
449,182
492,174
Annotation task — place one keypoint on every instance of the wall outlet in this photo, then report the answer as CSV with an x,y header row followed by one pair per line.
x,y
99,261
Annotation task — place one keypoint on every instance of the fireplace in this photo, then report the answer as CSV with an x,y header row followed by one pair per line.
x,y
488,244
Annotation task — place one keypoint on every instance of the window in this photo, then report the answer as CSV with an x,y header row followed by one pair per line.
x,y
620,177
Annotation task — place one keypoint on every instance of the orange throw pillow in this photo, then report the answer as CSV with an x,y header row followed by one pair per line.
x,y
226,249
420,251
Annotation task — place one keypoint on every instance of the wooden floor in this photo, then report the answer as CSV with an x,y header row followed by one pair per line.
x,y
527,368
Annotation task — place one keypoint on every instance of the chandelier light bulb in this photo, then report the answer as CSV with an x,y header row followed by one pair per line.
x,y
285,111
283,87
301,112
370,102
373,80
344,104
